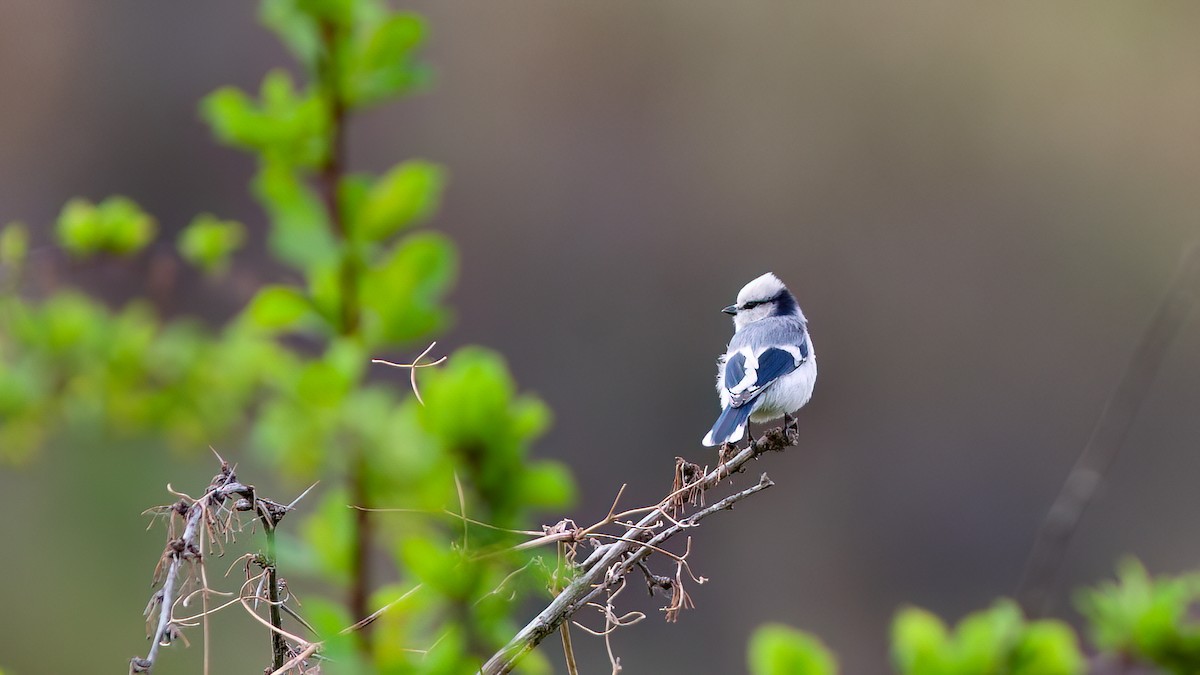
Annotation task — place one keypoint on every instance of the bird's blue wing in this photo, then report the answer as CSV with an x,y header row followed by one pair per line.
x,y
735,370
745,381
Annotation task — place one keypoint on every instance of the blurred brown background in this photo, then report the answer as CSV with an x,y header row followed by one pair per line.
x,y
978,208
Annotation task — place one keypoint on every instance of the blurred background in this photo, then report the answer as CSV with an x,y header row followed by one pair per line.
x,y
978,208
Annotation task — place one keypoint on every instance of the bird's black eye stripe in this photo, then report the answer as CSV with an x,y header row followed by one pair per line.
x,y
752,304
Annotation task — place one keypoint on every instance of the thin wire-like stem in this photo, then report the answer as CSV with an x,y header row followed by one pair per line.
x,y
568,650
1044,566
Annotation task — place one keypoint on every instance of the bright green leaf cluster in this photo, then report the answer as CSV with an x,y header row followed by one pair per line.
x,y
418,462
374,56
72,359
472,408
115,225
208,242
776,649
1146,618
998,641
285,126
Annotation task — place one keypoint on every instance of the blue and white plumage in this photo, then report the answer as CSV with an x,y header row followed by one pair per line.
x,y
769,369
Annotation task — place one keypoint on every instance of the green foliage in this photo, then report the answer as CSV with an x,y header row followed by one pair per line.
x,y
115,225
1146,618
370,281
401,290
286,126
382,62
300,232
401,197
779,650
208,242
277,308
72,359
997,640
1136,619
14,245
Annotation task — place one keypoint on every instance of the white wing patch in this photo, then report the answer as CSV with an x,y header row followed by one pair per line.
x,y
751,377
794,350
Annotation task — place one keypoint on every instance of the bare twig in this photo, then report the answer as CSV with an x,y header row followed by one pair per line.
x,y
211,518
298,658
1044,565
185,549
412,368
370,618
279,647
568,650
609,564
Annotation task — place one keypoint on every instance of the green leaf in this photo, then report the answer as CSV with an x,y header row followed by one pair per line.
x,y
381,61
78,228
919,642
277,307
546,485
1048,648
1147,618
116,225
14,244
296,29
288,127
401,294
401,197
327,381
776,649
208,242
300,233
129,228
468,401
984,639
445,571
352,194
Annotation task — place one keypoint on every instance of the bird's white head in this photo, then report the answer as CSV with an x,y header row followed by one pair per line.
x,y
764,297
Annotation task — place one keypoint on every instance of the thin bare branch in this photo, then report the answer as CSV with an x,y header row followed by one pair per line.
x,y
1043,568
609,564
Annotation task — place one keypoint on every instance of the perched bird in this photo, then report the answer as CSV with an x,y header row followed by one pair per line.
x,y
769,369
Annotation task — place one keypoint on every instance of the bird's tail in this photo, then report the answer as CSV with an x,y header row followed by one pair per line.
x,y
729,427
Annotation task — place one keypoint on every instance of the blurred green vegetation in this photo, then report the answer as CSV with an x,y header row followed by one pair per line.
x,y
1136,619
287,376
1146,619
996,640
779,650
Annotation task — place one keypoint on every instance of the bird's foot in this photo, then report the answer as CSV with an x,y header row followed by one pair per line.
x,y
791,428
727,452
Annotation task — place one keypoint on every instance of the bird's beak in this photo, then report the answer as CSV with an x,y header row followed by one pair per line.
x,y
732,310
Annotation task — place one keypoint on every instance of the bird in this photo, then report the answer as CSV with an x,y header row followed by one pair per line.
x,y
769,369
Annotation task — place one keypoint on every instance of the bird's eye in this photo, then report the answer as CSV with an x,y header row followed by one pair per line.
x,y
751,305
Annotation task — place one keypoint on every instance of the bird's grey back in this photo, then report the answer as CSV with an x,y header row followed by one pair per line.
x,y
768,332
